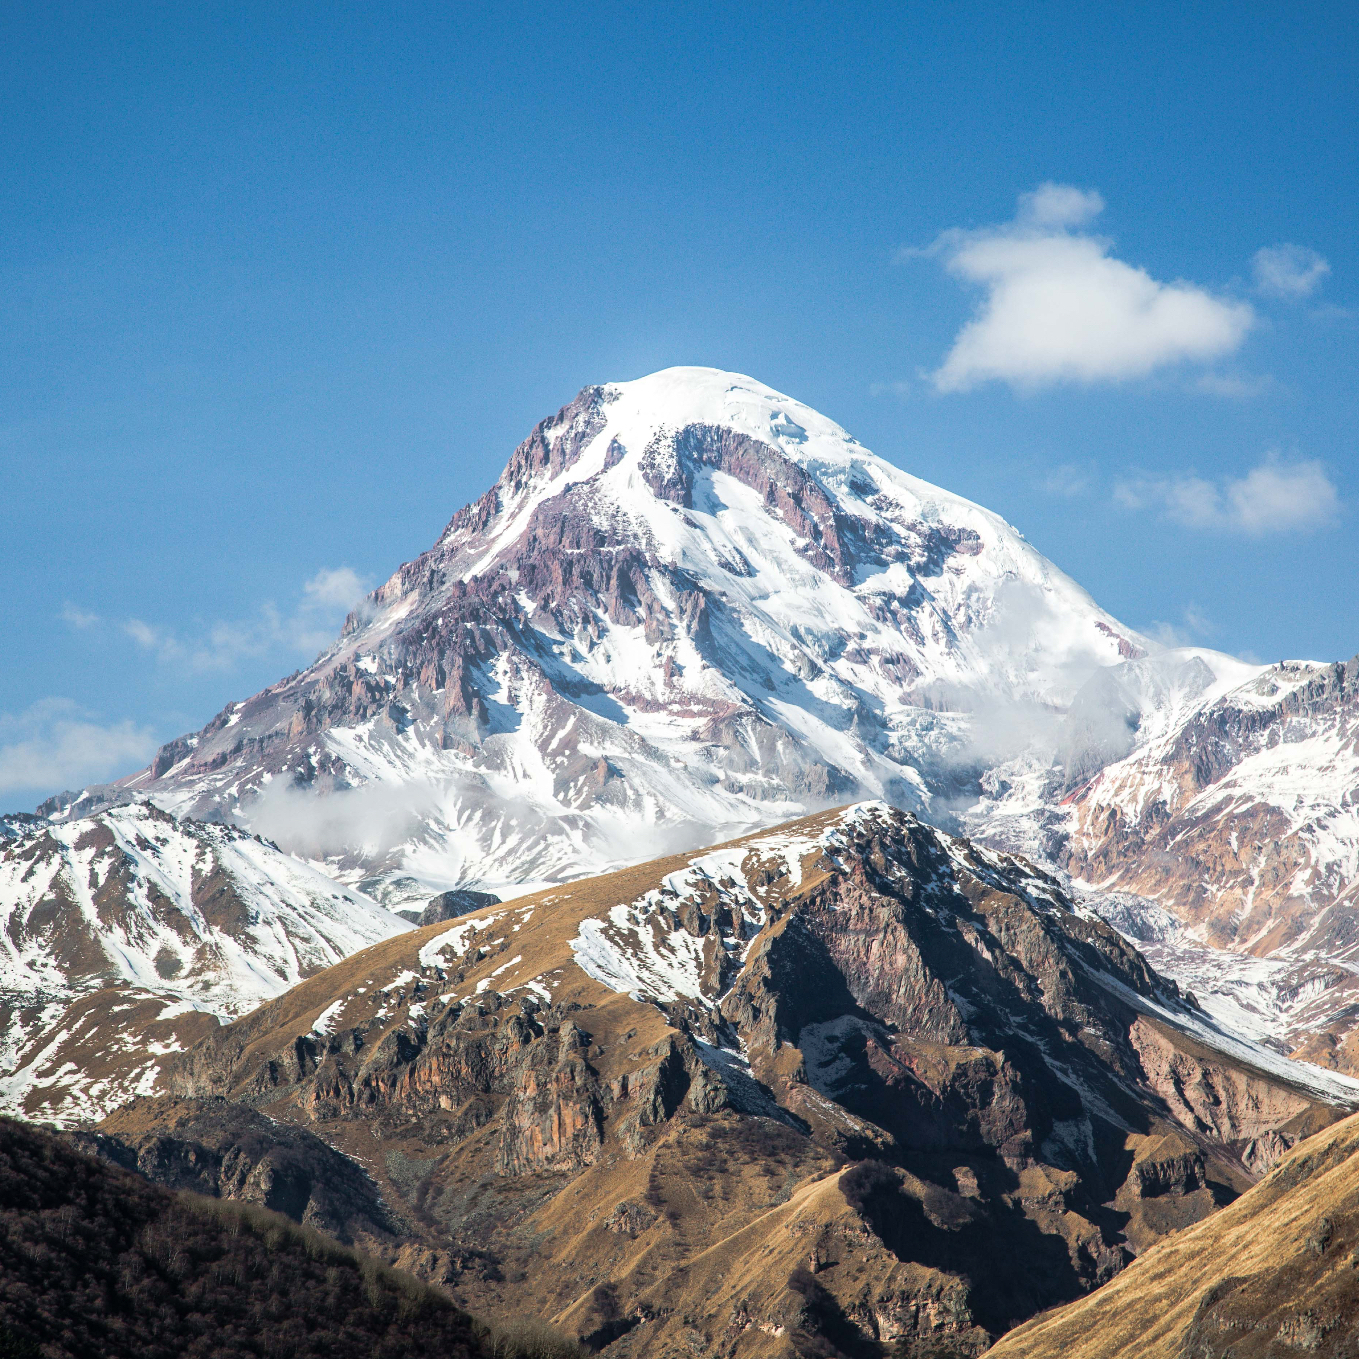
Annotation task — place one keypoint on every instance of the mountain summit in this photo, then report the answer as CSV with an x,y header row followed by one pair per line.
x,y
690,606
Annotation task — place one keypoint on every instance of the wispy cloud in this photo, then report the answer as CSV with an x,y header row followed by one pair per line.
x,y
221,645
56,744
1289,271
334,588
1067,480
1275,497
79,618
1060,308
1233,386
1194,627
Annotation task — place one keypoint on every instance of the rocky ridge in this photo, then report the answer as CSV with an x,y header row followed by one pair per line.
x,y
1275,1273
849,1082
128,934
96,1261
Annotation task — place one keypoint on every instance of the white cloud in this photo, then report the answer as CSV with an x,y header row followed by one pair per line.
x,y
55,744
1059,205
146,636
309,629
340,588
1274,497
1289,271
77,617
1068,480
1194,627
1059,308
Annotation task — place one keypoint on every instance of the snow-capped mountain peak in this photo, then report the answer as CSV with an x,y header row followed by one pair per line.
x,y
755,496
689,606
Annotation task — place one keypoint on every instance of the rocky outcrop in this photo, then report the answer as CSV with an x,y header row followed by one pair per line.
x,y
450,905
230,1151
1232,1104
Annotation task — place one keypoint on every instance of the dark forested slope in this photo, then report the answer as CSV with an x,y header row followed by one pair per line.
x,y
94,1261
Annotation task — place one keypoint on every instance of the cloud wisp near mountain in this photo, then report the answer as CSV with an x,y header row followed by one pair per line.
x,y
1059,307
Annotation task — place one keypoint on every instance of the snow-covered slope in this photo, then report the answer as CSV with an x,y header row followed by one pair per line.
x,y
689,606
125,933
1231,777
1210,809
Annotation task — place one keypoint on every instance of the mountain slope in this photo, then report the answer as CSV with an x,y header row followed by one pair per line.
x,y
1208,809
1275,1273
129,933
629,1102
98,1262
689,605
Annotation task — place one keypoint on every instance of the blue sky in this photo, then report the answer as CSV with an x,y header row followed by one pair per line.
x,y
282,286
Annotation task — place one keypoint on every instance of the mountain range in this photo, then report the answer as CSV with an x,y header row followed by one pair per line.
x,y
688,607
837,931
691,606
850,1082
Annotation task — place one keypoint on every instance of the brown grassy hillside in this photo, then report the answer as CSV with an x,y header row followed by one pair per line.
x,y
1276,1273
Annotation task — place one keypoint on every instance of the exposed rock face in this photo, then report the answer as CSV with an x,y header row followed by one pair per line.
x,y
17,823
450,905
1275,1273
639,1104
1255,866
128,933
230,1151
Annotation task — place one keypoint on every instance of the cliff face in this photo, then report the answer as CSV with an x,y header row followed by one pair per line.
x,y
851,1082
225,1150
